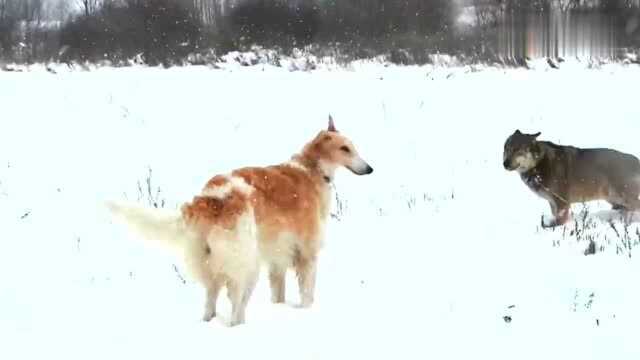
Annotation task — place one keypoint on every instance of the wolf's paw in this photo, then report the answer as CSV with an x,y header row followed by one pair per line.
x,y
547,222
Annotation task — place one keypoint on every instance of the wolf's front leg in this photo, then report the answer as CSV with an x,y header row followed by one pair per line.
x,y
560,216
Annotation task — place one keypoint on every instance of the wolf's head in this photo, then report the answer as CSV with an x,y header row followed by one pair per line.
x,y
521,152
332,150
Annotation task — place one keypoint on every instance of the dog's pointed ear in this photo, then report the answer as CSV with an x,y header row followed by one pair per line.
x,y
332,126
536,134
518,132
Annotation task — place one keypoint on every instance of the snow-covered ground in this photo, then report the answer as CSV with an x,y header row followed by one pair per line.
x,y
428,257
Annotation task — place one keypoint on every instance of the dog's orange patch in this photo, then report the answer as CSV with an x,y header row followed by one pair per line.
x,y
285,199
216,181
206,211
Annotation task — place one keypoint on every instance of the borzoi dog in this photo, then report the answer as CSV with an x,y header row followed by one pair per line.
x,y
274,214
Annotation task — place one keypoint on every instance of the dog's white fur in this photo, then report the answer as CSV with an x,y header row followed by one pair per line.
x,y
235,183
164,226
231,257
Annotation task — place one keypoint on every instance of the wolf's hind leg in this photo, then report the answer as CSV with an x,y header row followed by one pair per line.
x,y
618,207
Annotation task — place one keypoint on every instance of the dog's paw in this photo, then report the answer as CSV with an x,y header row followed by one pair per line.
x,y
208,316
305,304
235,322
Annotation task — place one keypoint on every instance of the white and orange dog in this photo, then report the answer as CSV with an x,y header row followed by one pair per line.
x,y
273,214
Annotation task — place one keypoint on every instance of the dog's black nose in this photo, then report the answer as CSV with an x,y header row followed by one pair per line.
x,y
365,169
505,164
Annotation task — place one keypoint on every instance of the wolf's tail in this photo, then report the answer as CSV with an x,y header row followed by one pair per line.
x,y
163,226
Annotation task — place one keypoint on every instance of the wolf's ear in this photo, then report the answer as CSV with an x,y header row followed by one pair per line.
x,y
536,134
332,126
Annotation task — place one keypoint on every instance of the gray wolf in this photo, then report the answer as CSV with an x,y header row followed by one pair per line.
x,y
564,175
272,215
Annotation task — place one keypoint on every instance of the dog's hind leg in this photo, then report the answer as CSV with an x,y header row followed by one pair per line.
x,y
306,272
277,277
239,293
213,290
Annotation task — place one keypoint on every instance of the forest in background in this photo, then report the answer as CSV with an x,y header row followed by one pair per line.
x,y
173,31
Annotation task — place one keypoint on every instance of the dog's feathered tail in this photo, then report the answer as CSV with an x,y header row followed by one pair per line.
x,y
161,226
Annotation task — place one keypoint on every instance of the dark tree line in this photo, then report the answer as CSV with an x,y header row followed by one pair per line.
x,y
160,30
166,31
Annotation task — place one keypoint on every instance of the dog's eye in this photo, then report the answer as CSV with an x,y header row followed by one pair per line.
x,y
345,149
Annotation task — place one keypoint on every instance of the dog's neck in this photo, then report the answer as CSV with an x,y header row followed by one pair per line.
x,y
327,172
315,166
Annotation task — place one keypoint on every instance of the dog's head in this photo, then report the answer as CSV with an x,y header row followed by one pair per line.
x,y
333,150
521,152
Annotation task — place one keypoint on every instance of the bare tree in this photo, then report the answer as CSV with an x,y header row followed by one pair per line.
x,y
567,5
58,10
88,6
32,10
10,9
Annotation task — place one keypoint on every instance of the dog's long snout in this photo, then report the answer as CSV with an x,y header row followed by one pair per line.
x,y
360,167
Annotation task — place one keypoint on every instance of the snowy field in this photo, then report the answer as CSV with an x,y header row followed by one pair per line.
x,y
428,257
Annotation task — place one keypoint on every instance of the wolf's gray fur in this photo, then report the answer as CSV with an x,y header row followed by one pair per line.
x,y
564,175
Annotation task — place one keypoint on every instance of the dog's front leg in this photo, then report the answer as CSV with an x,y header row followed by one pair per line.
x,y
277,277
